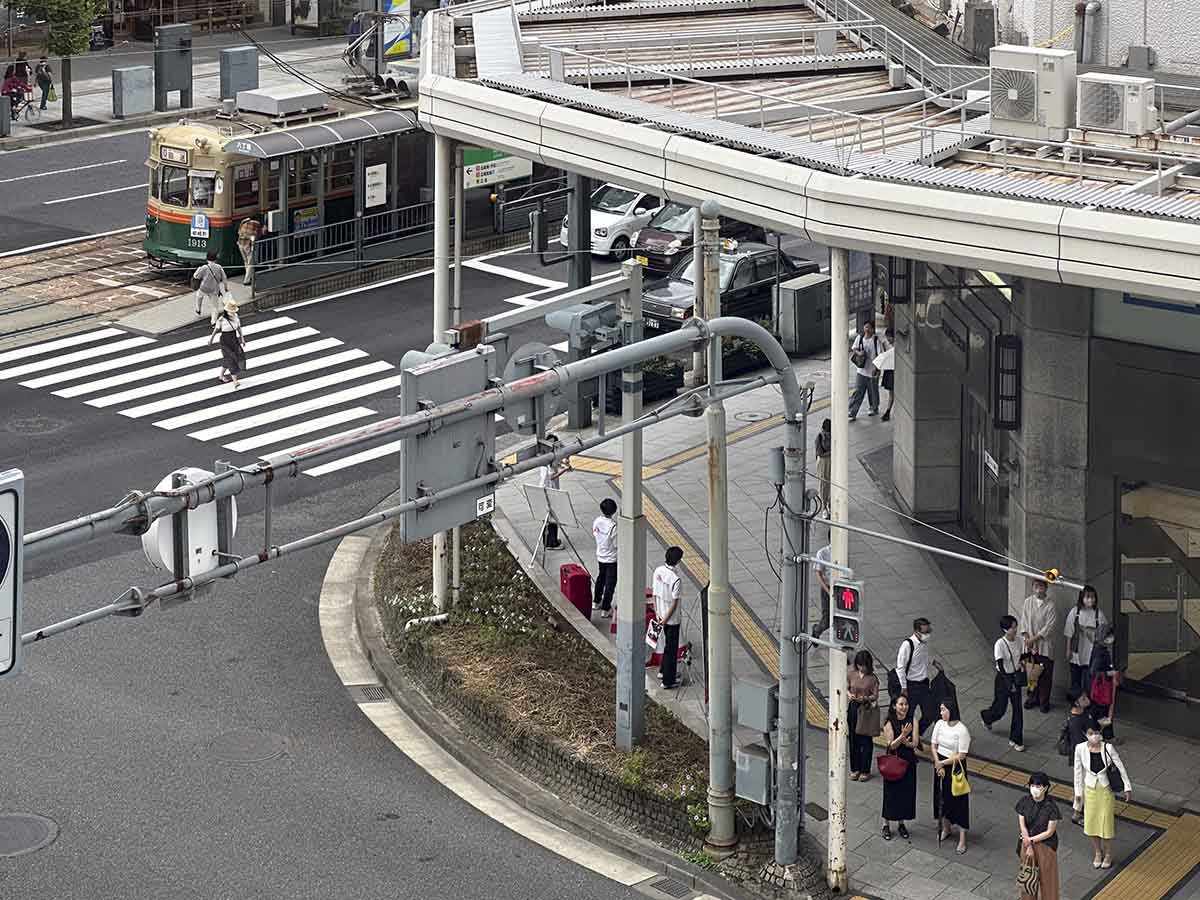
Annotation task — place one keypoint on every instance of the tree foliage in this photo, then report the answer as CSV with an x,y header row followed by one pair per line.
x,y
71,25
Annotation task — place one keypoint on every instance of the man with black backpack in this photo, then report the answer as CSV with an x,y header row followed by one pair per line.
x,y
911,674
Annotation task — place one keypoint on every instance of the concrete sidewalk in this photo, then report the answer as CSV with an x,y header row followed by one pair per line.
x,y
901,583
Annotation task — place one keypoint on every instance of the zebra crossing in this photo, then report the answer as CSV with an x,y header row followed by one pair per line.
x,y
299,386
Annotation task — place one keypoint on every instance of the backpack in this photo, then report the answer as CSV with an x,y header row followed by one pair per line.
x,y
1064,739
893,680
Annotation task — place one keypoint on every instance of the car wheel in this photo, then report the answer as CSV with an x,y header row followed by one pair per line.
x,y
620,249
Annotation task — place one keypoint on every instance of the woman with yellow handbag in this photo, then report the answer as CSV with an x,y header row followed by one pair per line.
x,y
948,748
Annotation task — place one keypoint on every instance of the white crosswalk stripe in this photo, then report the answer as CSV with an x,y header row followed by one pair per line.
x,y
299,385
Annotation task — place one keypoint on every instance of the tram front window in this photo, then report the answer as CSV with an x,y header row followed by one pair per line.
x,y
174,186
203,189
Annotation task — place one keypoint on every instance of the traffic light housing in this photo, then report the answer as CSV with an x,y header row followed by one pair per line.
x,y
845,614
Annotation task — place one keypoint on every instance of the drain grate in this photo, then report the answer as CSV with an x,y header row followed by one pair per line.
x,y
25,833
672,888
817,811
752,416
367,693
248,746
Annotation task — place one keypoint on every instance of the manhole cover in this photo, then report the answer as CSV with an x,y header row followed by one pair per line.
x,y
752,416
34,425
25,833
248,746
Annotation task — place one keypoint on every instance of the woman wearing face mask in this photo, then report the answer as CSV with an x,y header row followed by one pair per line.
x,y
1094,761
1038,818
1102,680
1083,620
901,738
948,749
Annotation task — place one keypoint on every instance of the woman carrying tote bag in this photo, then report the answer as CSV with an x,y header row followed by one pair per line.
x,y
903,741
1037,851
863,714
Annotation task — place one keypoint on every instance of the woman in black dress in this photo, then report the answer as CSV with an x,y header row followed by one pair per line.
x,y
903,739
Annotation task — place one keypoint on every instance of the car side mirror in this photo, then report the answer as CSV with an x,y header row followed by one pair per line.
x,y
640,211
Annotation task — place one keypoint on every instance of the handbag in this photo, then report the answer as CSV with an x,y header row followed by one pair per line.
x,y
1029,878
653,633
858,355
867,724
1102,690
1033,671
1064,740
52,97
1116,783
891,766
959,786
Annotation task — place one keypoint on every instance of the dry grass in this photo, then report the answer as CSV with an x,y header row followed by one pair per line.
x,y
507,647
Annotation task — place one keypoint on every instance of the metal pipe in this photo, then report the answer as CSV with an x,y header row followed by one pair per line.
x,y
1182,122
443,185
839,270
455,320
1090,9
698,375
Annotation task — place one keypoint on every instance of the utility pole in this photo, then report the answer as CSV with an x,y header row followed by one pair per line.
x,y
697,375
443,184
722,834
579,275
839,270
455,319
631,534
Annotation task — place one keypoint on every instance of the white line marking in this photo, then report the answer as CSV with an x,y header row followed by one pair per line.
x,y
248,384
561,348
158,387
125,361
132,187
355,459
290,431
292,390
296,409
50,346
307,441
115,162
90,353
504,272
150,292
107,282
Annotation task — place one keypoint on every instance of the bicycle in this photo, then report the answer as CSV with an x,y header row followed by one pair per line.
x,y
26,107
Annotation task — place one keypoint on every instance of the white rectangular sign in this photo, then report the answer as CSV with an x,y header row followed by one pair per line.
x,y
12,529
199,226
376,185
992,465
485,505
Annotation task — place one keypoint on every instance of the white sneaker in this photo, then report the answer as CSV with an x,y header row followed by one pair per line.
x,y
1020,748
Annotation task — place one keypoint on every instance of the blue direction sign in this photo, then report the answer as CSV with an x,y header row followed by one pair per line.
x,y
12,513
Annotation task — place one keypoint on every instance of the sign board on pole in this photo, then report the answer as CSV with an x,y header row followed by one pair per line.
x,y
158,541
376,185
482,167
12,530
397,30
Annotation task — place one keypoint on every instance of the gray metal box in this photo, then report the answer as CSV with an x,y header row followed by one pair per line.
x,y
5,116
281,101
979,27
173,57
239,71
448,454
757,704
132,91
753,775
802,310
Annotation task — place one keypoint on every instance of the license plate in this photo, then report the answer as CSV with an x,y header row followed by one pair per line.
x,y
641,260
651,323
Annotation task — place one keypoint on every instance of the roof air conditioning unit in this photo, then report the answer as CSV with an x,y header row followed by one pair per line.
x,y
1118,103
1033,92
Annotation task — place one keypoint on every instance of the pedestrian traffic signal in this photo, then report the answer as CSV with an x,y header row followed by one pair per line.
x,y
846,614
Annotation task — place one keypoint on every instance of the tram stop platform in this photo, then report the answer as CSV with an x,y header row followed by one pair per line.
x,y
179,311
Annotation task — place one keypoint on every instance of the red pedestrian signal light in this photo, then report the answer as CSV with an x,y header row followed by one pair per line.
x,y
846,614
848,599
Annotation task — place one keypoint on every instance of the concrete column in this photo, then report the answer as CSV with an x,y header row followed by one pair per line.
x,y
927,443
579,274
443,186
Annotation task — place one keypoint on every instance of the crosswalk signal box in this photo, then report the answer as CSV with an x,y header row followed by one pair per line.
x,y
845,617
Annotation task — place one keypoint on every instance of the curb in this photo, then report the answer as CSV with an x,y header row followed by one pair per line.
x,y
504,779
114,127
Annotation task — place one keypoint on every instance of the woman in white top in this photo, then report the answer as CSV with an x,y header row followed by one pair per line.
x,y
1094,789
1006,657
948,748
1080,631
233,345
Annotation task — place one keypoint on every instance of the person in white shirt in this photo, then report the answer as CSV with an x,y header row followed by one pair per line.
x,y
604,530
666,612
866,347
912,670
1006,655
823,573
548,476
211,283
948,748
886,363
1037,621
1080,631
1094,789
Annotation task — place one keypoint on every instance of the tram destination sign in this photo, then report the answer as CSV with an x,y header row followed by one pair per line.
x,y
12,513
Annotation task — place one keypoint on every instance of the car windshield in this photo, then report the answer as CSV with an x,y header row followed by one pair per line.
x,y
684,271
612,199
676,217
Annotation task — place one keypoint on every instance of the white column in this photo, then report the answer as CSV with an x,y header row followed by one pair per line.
x,y
443,185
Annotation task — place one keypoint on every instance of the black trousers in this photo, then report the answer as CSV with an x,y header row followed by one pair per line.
x,y
823,623
1003,695
551,538
606,583
919,696
860,746
1079,679
670,658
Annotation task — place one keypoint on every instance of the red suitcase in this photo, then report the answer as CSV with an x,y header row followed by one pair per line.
x,y
576,585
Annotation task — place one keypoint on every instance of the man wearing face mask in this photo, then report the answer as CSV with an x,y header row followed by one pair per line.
x,y
912,670
1099,774
1082,622
1038,818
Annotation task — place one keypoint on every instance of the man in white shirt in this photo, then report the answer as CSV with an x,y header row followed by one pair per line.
x,y
912,669
865,348
604,530
824,555
1006,656
548,478
1038,618
666,612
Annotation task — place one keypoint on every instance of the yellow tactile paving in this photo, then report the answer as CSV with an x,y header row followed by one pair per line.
x,y
1161,866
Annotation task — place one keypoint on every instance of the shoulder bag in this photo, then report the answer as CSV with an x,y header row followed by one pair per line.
x,y
1102,690
858,355
868,719
892,767
1116,783
1017,679
959,786
1029,879
893,680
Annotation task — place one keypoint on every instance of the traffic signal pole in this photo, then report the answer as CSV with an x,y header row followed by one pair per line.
x,y
443,184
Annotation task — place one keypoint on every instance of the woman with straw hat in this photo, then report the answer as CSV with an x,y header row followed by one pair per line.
x,y
233,344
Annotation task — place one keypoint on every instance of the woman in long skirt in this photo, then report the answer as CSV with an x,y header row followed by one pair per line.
x,y
233,343
949,745
1038,818
902,738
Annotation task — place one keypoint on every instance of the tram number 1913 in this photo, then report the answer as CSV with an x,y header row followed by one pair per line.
x,y
197,243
